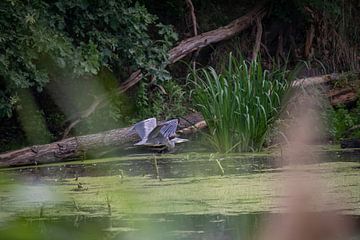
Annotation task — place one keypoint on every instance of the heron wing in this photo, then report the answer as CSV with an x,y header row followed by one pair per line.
x,y
164,130
155,132
145,127
169,128
142,142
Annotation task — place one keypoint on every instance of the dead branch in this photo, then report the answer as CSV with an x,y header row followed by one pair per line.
x,y
304,82
134,78
194,24
309,41
193,17
259,32
202,40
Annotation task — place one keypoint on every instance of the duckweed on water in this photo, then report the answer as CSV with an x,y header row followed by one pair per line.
x,y
230,194
95,200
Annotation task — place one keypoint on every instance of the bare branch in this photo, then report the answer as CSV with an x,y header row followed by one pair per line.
x,y
258,38
193,17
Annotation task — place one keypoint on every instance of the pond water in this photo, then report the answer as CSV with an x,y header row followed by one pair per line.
x,y
170,196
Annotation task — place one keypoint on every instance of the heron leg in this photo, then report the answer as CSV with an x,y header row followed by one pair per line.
x,y
157,175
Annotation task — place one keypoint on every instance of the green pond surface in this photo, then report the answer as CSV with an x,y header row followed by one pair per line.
x,y
170,196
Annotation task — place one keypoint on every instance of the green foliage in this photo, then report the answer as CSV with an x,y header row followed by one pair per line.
x,y
341,120
161,101
240,104
298,10
32,120
40,38
11,135
332,7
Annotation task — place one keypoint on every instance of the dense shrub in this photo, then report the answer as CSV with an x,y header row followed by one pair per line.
x,y
38,38
343,123
165,101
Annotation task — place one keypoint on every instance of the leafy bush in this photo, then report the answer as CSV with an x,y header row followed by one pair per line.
x,y
40,38
240,104
341,120
163,101
287,10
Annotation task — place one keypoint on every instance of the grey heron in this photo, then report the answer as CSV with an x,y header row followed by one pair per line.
x,y
160,136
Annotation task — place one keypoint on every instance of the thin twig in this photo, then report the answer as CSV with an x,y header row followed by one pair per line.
x,y
193,16
259,31
194,25
220,167
134,78
309,41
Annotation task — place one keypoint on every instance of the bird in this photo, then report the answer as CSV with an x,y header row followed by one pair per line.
x,y
160,136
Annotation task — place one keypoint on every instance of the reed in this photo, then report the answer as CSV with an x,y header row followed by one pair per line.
x,y
240,104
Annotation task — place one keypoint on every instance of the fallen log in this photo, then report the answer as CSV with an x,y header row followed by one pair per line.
x,y
342,96
193,129
304,82
336,95
204,39
308,81
344,99
183,49
76,147
350,143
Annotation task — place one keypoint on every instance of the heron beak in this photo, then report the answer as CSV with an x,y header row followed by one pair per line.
x,y
179,140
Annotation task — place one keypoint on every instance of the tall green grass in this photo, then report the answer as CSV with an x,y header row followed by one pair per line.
x,y
240,104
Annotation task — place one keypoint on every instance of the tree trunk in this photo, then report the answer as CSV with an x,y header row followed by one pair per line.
x,y
76,147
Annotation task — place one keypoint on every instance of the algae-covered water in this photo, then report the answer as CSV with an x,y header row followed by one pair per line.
x,y
173,196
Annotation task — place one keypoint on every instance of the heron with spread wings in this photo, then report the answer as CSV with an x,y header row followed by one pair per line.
x,y
160,136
